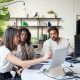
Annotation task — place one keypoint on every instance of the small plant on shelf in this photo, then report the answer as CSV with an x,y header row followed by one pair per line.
x,y
51,13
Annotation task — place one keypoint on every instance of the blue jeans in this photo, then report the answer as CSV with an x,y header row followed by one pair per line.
x,y
8,76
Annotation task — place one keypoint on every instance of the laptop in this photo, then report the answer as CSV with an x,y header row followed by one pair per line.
x,y
36,67
57,59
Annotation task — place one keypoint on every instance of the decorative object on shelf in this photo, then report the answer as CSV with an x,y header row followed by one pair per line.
x,y
44,37
24,24
36,14
49,24
52,14
27,15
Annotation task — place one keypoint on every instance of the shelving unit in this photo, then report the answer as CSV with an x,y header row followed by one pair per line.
x,y
37,25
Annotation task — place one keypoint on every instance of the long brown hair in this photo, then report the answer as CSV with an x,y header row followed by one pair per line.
x,y
28,40
8,36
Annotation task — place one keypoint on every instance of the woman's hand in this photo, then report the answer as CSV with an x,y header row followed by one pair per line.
x,y
19,71
48,56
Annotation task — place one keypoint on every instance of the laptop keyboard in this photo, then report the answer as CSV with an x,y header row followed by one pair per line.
x,y
36,67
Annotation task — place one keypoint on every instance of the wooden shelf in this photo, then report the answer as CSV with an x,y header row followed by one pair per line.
x,y
33,18
37,25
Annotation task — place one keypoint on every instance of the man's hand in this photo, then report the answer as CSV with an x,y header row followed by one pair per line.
x,y
50,54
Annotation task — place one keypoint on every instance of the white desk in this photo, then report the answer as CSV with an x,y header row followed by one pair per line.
x,y
28,74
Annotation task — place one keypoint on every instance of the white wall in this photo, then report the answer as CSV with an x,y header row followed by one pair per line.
x,y
65,9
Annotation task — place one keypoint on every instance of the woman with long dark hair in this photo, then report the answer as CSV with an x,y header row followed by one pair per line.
x,y
25,49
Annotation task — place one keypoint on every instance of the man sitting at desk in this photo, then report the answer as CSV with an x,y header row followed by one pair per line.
x,y
55,42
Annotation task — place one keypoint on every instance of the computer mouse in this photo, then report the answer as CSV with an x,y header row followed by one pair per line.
x,y
68,58
69,73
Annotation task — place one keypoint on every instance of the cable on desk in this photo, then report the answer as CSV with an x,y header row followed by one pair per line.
x,y
69,69
74,75
64,78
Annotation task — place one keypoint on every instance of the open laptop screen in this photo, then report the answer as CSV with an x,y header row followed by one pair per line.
x,y
58,57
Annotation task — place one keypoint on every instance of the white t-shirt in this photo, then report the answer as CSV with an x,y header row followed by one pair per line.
x,y
50,45
5,65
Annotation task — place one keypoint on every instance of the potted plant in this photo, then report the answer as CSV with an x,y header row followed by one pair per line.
x,y
2,1
4,16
